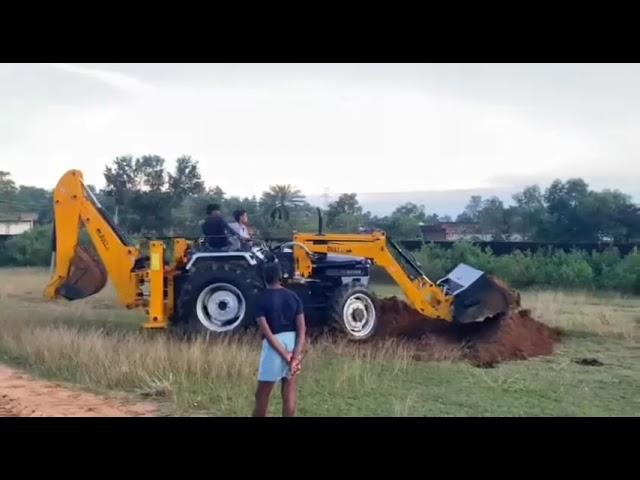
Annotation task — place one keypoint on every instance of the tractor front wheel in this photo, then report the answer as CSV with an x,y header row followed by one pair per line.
x,y
352,309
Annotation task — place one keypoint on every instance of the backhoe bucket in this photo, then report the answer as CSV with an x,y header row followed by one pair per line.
x,y
476,295
87,276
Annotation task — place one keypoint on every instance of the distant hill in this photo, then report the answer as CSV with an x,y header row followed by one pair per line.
x,y
445,202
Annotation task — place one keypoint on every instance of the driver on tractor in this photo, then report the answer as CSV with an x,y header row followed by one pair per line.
x,y
216,230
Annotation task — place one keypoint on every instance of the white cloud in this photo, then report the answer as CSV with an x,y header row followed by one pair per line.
x,y
312,132
113,79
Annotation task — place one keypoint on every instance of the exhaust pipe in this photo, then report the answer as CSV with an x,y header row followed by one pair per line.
x,y
319,221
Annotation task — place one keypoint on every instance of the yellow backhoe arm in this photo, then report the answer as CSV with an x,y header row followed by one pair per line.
x,y
422,293
74,206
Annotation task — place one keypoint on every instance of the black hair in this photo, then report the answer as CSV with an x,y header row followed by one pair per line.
x,y
272,273
238,213
212,207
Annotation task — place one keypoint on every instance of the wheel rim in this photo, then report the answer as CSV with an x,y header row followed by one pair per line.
x,y
220,307
359,315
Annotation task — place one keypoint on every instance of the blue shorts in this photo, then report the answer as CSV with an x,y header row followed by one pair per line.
x,y
273,368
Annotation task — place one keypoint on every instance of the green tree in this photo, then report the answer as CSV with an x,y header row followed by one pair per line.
x,y
345,206
411,210
528,215
609,214
406,220
150,173
121,180
7,185
472,210
279,200
34,200
146,196
216,193
404,228
491,217
629,217
564,202
24,199
152,212
186,179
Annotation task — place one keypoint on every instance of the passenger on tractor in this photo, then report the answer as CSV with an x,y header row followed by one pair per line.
x,y
242,240
241,225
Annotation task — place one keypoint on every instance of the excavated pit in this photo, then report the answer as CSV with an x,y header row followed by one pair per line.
x,y
514,335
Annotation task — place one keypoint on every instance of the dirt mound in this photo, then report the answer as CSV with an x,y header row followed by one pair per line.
x,y
512,336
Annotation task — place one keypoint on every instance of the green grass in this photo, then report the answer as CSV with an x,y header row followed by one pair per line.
x,y
96,345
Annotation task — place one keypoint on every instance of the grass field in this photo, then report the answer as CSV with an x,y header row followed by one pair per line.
x,y
96,345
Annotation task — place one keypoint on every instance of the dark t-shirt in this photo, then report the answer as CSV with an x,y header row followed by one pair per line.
x,y
280,307
215,227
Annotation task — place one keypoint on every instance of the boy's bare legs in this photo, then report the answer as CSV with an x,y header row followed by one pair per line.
x,y
263,392
289,396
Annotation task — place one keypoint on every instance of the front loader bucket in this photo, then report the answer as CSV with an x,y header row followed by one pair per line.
x,y
87,276
476,295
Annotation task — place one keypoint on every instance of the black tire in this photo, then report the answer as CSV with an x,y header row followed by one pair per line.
x,y
339,319
243,279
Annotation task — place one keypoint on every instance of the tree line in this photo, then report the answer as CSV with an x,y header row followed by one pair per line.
x,y
564,212
578,269
146,198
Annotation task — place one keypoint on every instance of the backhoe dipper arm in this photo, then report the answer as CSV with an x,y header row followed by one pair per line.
x,y
422,293
74,206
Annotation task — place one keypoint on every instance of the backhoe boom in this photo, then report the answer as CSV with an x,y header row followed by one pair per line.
x,y
75,206
424,295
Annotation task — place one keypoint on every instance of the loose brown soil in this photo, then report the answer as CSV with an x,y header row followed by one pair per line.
x,y
514,335
24,396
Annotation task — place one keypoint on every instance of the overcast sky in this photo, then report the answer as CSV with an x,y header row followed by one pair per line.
x,y
344,127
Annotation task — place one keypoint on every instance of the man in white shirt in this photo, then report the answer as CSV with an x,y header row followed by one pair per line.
x,y
241,223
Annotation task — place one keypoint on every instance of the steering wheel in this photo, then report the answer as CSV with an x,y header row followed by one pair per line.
x,y
277,247
263,249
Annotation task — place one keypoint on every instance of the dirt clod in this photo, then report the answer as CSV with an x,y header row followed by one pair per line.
x,y
511,336
589,362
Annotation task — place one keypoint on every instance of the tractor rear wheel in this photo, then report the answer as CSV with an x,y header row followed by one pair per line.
x,y
217,299
352,309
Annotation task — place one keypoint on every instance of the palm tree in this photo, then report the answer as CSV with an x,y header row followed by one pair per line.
x,y
279,199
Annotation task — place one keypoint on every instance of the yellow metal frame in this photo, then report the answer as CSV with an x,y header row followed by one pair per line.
x,y
424,295
72,210
156,311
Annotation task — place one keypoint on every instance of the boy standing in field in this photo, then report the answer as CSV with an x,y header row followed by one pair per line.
x,y
281,320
